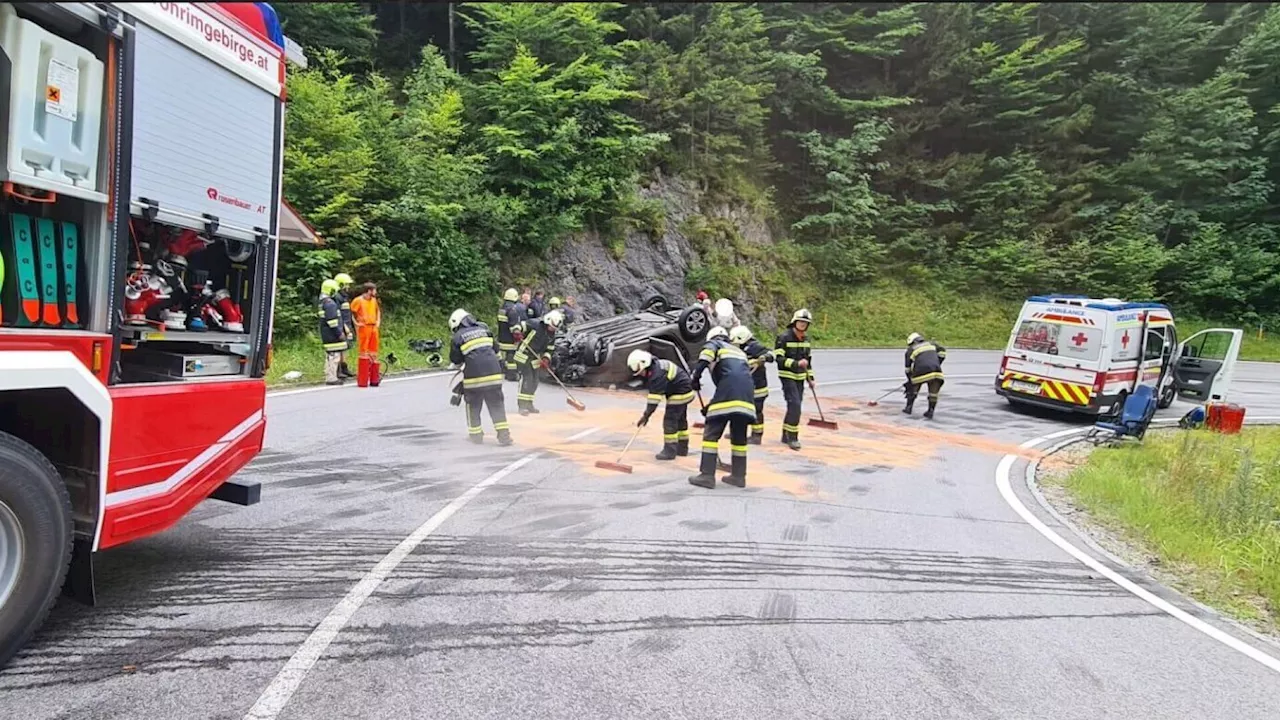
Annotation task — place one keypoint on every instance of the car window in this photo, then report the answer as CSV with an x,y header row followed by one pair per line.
x,y
1209,346
1124,343
1066,341
1155,344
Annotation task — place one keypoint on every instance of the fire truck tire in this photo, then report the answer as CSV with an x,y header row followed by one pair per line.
x,y
36,531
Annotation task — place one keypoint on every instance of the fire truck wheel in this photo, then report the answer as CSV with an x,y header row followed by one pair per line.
x,y
35,541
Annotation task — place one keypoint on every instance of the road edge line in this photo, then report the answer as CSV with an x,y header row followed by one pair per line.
x,y
272,701
1006,491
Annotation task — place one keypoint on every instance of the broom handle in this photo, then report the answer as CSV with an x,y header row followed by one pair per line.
x,y
634,435
814,390
562,387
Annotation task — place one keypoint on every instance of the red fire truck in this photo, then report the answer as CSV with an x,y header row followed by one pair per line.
x,y
138,244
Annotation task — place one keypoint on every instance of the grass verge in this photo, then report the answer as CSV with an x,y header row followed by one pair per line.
x,y
1206,505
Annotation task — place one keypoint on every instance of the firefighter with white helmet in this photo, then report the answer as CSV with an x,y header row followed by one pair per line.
x,y
732,406
343,298
476,350
508,316
924,367
537,340
793,353
757,356
665,379
331,338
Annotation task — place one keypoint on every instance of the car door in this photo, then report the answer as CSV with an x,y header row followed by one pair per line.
x,y
1205,363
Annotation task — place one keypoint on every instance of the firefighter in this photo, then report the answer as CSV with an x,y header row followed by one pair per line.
x,y
924,366
477,352
732,406
366,311
331,339
343,298
665,379
534,352
506,341
757,356
795,368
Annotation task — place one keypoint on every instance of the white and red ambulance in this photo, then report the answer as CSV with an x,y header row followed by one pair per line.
x,y
1082,354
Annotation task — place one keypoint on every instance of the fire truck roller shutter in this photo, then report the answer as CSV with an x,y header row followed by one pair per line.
x,y
203,138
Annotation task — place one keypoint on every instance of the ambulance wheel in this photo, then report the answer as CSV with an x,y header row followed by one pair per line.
x,y
35,541
1166,396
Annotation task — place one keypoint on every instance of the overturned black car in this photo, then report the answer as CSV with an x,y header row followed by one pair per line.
x,y
595,353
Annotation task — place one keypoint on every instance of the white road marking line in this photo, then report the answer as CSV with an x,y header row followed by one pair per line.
x,y
277,694
1006,491
319,388
899,379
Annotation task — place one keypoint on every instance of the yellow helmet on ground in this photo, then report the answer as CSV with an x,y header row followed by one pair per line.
x,y
511,295
344,280
802,315
639,361
740,335
328,287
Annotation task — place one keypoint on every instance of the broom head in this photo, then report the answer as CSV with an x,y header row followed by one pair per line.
x,y
617,467
824,424
576,405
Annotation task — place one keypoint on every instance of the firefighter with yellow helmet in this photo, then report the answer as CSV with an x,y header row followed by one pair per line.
x,y
665,379
924,367
793,353
508,317
343,298
331,338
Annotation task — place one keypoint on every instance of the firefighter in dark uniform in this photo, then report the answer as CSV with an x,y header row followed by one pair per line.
x,y
924,366
534,352
795,367
476,350
506,341
665,379
757,356
733,406
343,298
331,337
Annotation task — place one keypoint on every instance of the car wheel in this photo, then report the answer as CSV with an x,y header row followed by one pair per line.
x,y
1166,396
656,303
694,323
35,541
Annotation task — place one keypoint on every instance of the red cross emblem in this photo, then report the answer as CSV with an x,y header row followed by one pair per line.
x,y
1124,341
1080,339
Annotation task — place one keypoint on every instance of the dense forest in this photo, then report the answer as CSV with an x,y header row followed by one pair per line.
x,y
1121,149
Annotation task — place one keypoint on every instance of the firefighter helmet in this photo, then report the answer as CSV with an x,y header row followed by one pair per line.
x,y
801,315
914,338
639,361
554,302
553,319
328,287
511,295
344,280
716,332
457,317
740,335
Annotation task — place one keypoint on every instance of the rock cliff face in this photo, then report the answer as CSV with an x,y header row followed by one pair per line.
x,y
606,282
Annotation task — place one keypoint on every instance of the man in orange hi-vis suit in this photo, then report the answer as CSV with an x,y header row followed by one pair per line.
x,y
366,311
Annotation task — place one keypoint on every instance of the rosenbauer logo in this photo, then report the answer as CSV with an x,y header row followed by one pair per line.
x,y
216,196
214,34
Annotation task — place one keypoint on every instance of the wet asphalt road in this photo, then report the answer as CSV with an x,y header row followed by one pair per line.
x,y
878,573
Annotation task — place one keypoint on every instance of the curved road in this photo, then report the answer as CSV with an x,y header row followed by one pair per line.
x,y
393,570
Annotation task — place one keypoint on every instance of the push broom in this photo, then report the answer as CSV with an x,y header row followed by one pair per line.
x,y
876,402
823,422
618,466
